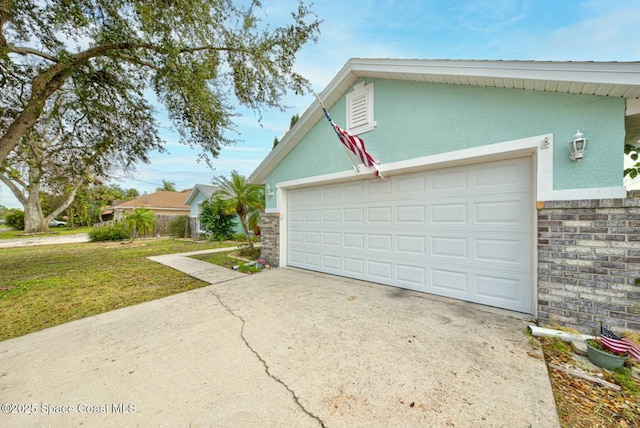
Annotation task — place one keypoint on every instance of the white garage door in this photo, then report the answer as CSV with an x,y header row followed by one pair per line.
x,y
462,232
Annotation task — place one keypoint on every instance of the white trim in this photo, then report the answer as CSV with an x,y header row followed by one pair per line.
x,y
282,196
534,227
541,146
581,194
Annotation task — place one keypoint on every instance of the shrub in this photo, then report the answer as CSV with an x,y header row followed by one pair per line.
x,y
179,227
15,219
215,218
141,221
113,232
238,237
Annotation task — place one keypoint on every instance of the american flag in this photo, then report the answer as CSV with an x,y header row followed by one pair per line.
x,y
615,343
354,143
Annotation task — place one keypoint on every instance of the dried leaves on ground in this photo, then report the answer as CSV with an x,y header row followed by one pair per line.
x,y
583,403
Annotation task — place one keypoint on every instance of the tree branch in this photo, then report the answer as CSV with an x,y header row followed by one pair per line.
x,y
14,189
30,51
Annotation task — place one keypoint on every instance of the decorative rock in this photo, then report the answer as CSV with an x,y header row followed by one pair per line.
x,y
579,348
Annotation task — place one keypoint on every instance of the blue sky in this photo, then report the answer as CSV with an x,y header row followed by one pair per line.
x,y
557,30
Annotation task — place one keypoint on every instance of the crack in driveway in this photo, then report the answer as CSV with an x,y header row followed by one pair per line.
x,y
264,363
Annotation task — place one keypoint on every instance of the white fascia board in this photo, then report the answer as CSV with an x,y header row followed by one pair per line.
x,y
597,72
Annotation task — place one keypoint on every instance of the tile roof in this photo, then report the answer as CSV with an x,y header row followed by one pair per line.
x,y
159,199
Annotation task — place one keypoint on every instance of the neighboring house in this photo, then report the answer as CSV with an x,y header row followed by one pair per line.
x,y
166,205
480,200
198,194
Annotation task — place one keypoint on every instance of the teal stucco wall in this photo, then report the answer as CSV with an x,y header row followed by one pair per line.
x,y
420,119
193,206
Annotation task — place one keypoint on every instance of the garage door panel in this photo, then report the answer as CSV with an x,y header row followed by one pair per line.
x,y
296,258
449,247
411,214
506,212
379,188
450,180
296,216
331,216
503,251
312,238
380,270
354,240
503,291
355,190
449,213
379,242
331,239
379,214
312,259
354,265
331,193
410,184
463,232
411,244
450,283
353,215
412,276
296,236
498,177
331,262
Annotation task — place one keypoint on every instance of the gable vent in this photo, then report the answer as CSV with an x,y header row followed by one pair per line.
x,y
360,109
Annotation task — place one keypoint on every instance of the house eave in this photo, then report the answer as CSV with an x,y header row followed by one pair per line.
x,y
612,79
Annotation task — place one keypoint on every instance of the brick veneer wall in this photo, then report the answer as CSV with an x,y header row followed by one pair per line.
x,y
193,227
588,260
270,238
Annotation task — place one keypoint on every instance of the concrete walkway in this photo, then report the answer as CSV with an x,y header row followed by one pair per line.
x,y
44,240
283,348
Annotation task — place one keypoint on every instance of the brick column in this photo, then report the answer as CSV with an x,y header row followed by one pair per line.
x,y
270,238
193,229
588,261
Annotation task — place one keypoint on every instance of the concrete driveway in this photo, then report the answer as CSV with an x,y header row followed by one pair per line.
x,y
284,348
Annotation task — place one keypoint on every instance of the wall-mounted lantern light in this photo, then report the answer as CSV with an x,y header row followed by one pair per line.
x,y
577,146
269,191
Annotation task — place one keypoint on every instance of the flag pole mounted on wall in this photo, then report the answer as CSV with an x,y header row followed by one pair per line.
x,y
351,143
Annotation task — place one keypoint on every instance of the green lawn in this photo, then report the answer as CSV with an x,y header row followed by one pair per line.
x,y
49,285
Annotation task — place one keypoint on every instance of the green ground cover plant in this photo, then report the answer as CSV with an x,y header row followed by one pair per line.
x,y
43,286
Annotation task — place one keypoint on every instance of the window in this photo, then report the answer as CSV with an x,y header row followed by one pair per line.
x,y
360,109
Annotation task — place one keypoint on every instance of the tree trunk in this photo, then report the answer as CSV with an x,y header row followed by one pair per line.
x,y
246,230
34,220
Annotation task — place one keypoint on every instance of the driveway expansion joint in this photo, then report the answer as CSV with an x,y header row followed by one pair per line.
x,y
264,363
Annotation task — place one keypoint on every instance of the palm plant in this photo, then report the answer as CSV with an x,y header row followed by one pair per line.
x,y
246,199
141,221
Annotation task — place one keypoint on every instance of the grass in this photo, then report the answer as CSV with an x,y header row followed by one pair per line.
x,y
43,286
229,259
220,259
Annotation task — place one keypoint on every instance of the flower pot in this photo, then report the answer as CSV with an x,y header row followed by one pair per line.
x,y
604,359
